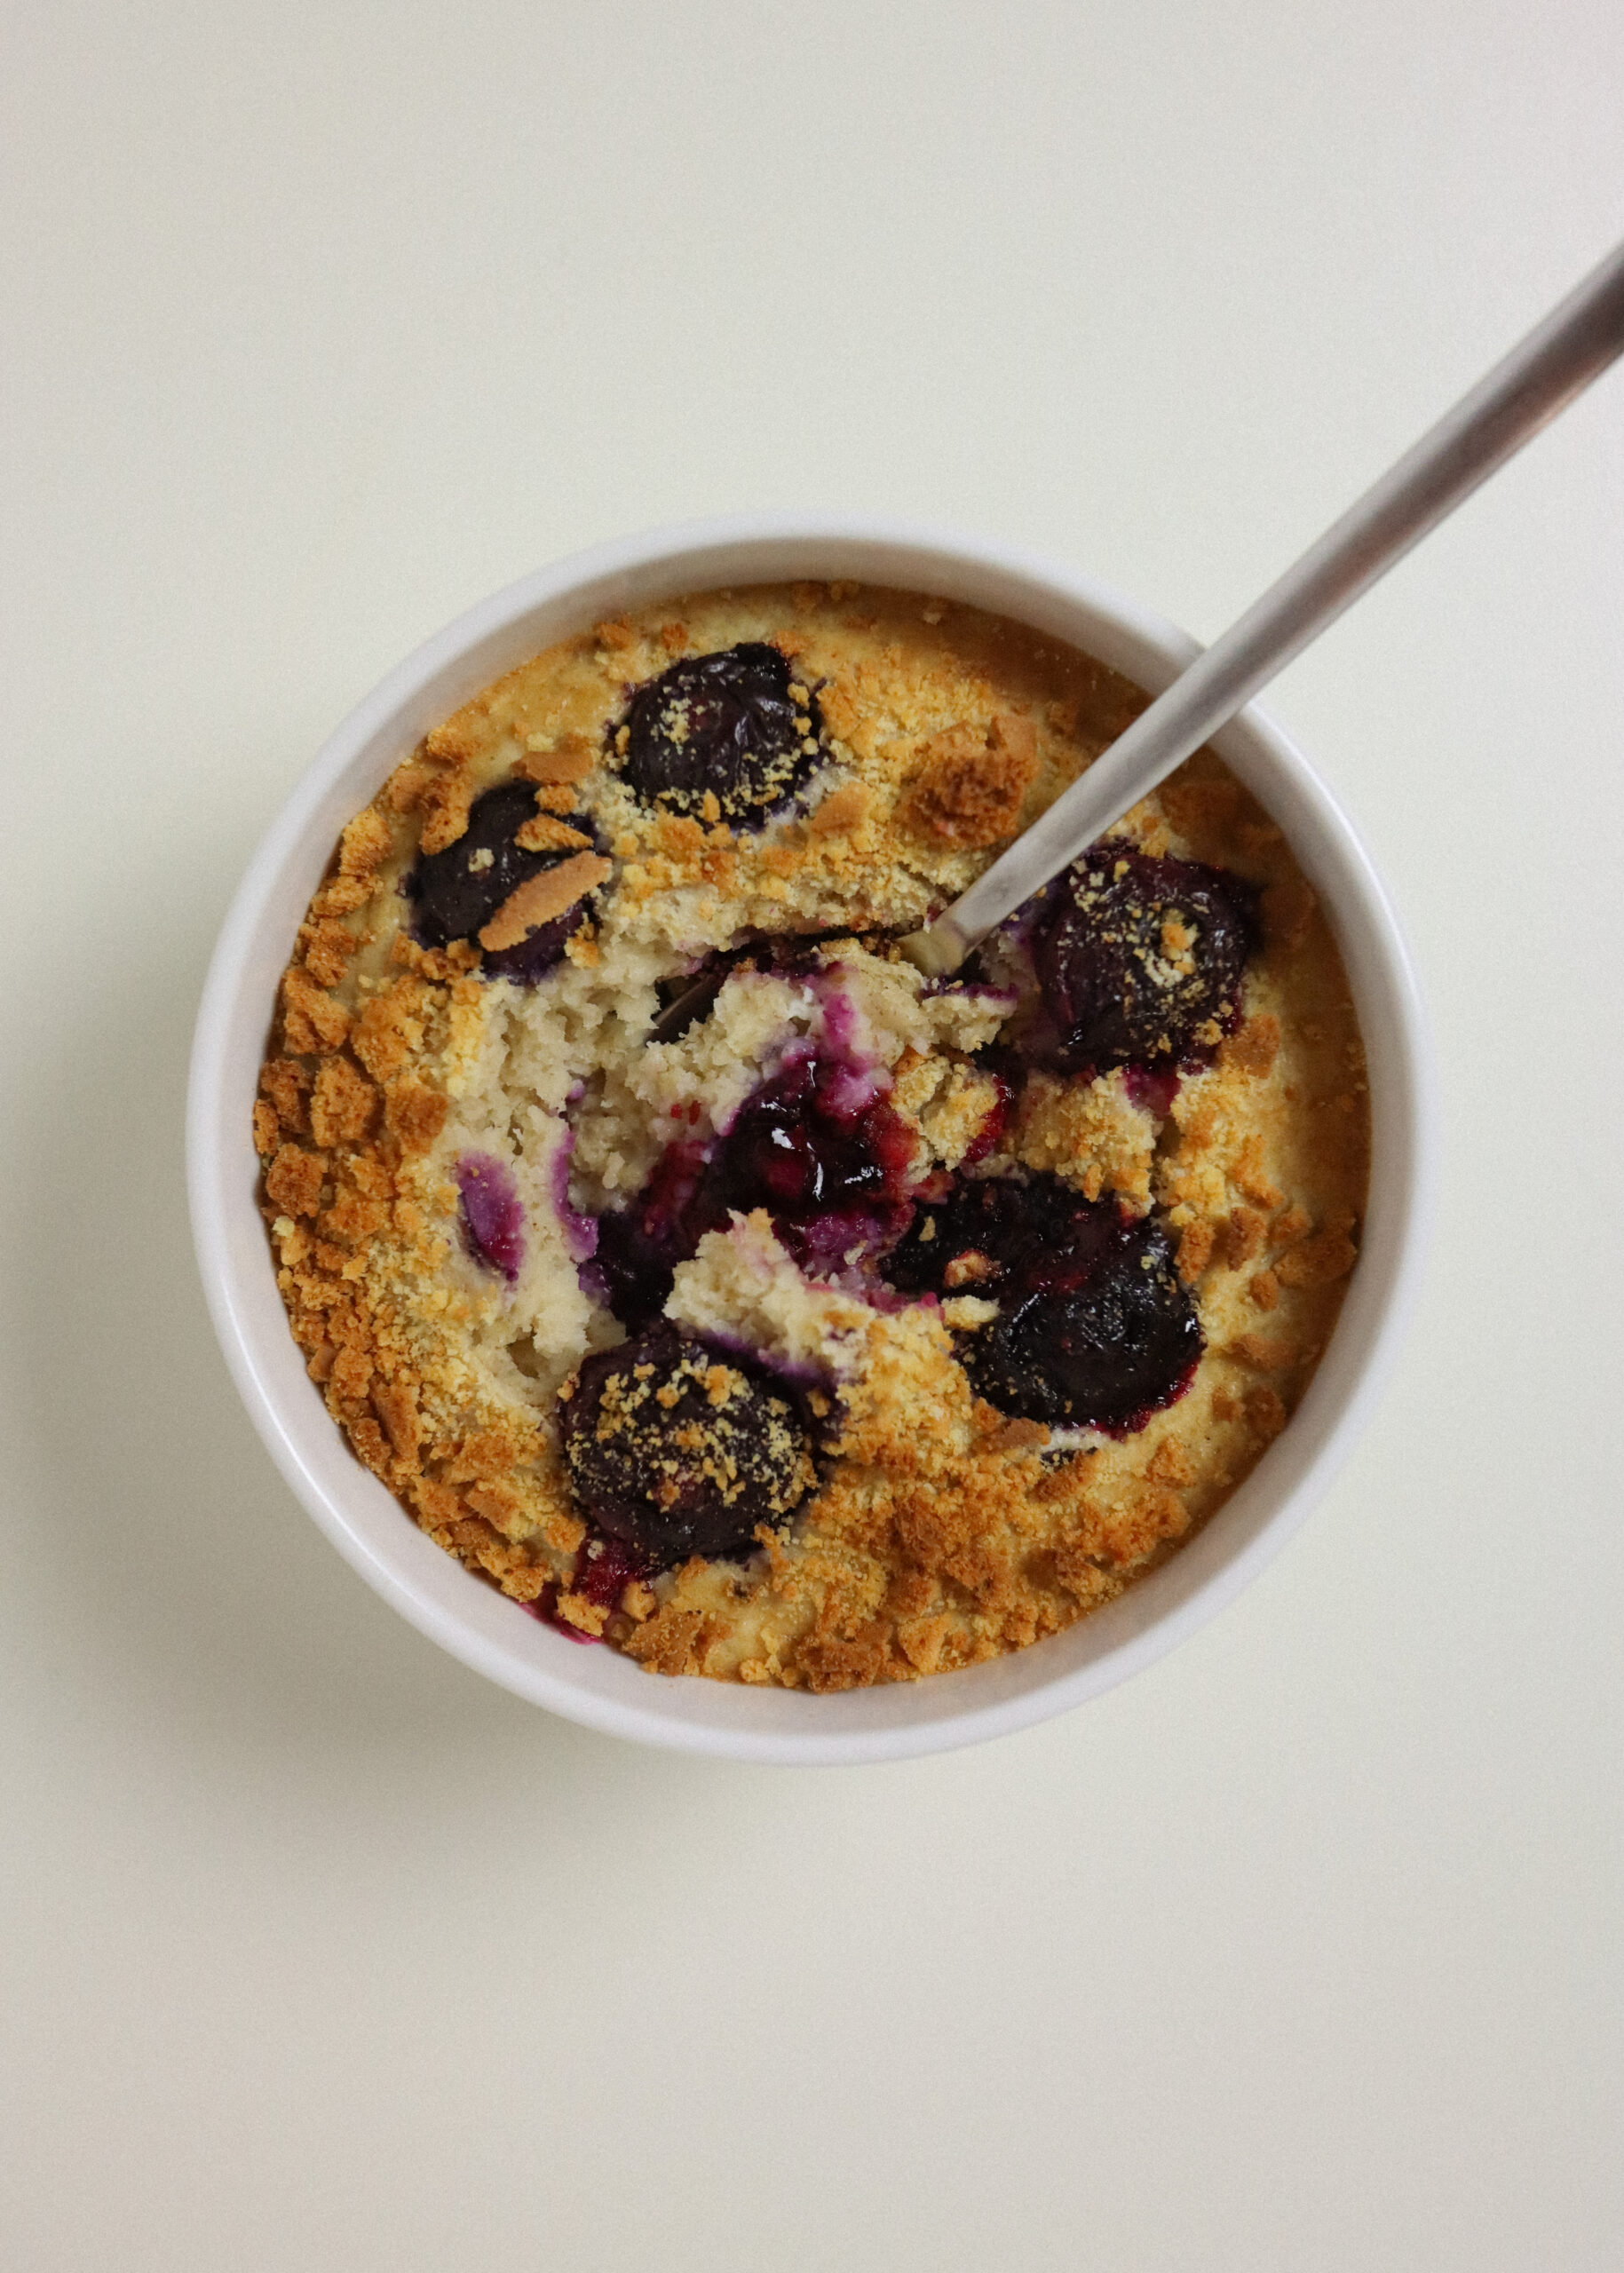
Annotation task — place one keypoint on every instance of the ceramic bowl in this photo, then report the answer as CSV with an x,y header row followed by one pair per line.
x,y
371,1529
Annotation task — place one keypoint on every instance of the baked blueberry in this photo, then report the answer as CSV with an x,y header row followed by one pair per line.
x,y
818,1147
1094,1328
737,725
639,1245
605,1568
457,892
492,1214
678,1449
1141,960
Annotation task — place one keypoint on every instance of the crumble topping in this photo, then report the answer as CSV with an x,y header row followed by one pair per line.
x,y
700,1275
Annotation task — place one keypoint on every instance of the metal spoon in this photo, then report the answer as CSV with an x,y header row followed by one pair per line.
x,y
1557,361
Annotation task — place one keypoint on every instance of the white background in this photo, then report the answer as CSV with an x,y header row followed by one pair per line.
x,y
1302,1951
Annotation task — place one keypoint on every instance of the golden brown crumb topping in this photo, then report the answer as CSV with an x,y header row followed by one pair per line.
x,y
439,1149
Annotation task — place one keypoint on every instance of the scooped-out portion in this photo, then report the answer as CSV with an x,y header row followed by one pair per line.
x,y
703,1276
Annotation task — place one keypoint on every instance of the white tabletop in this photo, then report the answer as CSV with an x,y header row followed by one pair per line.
x,y
1301,1951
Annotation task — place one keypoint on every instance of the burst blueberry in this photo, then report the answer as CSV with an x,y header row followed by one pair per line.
x,y
817,1146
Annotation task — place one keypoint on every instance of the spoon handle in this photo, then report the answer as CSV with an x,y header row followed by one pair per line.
x,y
1576,341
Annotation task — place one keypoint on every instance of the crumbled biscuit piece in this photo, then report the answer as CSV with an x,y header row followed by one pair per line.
x,y
586,1616
570,758
443,797
294,1180
840,714
542,899
547,834
313,1023
1244,1237
1018,1436
352,1218
342,1104
413,1113
1319,1261
1265,1290
287,1084
328,947
667,1642
1264,1412
364,845
1170,1463
840,812
446,804
456,743
617,634
970,787
835,1664
389,1029
922,1640
341,896
1269,1353
1247,1171
396,1406
1091,1134
1195,1248
1127,1532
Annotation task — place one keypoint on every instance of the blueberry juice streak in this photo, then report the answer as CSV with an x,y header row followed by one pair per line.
x,y
816,1145
580,1231
604,1569
640,1246
492,1214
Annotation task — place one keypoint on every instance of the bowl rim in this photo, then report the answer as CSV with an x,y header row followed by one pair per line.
x,y
729,1720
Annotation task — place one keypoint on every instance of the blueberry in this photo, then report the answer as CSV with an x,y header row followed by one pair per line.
x,y
493,1215
1094,1327
726,724
457,892
818,1147
677,1449
603,1570
640,1245
1141,960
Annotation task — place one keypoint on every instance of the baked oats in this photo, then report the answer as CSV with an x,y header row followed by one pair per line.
x,y
697,1271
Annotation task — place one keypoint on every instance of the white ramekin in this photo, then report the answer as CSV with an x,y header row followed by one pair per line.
x,y
366,1524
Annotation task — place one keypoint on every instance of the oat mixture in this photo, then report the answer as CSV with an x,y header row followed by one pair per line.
x,y
709,1281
